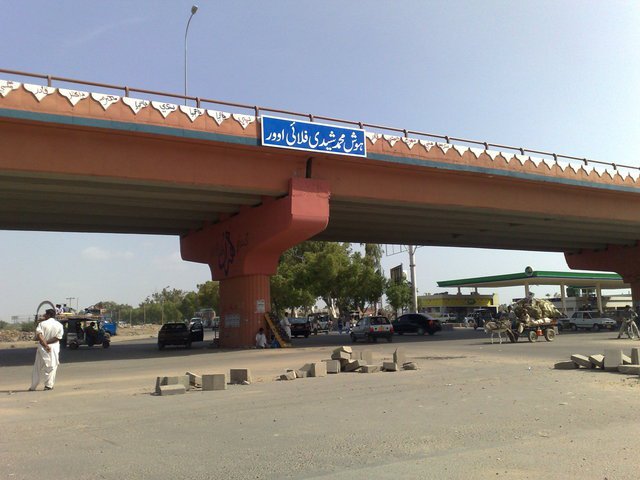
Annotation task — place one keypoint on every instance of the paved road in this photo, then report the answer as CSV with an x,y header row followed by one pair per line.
x,y
472,410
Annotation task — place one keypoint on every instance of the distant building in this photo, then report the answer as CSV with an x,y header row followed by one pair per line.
x,y
459,304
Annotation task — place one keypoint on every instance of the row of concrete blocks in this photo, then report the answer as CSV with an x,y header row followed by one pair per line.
x,y
613,360
344,359
180,384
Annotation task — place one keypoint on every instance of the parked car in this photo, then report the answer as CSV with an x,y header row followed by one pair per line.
x,y
300,327
591,321
178,333
449,318
319,323
372,328
419,323
197,330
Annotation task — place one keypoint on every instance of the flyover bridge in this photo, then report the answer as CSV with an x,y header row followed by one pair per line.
x,y
79,161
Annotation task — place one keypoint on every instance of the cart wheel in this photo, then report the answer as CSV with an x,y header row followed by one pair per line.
x,y
550,334
533,336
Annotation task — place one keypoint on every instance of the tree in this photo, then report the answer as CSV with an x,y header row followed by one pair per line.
x,y
398,294
209,295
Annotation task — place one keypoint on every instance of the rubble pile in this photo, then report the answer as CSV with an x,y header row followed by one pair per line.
x,y
613,360
344,359
177,385
10,335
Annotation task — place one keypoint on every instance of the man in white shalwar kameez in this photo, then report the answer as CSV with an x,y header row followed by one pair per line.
x,y
48,333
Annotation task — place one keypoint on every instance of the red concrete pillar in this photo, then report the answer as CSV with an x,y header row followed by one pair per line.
x,y
625,261
243,252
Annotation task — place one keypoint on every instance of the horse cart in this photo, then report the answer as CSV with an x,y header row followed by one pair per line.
x,y
533,331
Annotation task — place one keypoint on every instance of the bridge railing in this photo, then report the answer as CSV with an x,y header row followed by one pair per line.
x,y
199,101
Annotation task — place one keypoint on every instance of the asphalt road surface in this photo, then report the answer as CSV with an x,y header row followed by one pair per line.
x,y
473,410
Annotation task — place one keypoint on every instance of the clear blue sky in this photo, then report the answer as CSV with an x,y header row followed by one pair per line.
x,y
559,76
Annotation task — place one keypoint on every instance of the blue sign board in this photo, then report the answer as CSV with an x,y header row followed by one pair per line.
x,y
312,136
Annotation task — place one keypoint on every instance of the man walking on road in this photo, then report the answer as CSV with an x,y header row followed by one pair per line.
x,y
629,323
48,333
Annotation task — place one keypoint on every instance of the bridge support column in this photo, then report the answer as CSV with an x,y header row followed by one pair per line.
x,y
625,261
243,252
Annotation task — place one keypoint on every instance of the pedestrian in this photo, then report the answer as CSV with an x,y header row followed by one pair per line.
x,y
274,342
261,339
286,326
49,332
629,323
340,326
513,318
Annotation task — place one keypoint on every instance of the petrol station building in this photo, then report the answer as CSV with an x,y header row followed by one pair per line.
x,y
578,290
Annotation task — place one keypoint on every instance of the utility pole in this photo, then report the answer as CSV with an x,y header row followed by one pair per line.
x,y
412,269
68,299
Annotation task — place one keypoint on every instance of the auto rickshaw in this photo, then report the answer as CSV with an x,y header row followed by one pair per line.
x,y
81,330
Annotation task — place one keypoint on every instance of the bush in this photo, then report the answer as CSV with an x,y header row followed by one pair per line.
x,y
27,327
3,324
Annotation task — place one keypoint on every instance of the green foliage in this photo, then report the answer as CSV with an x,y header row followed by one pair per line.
x,y
27,327
330,271
169,305
398,294
3,325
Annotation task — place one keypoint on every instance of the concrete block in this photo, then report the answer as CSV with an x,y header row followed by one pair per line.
x,y
178,379
173,389
318,369
399,357
390,367
340,356
195,380
629,369
410,366
240,375
354,365
597,360
345,349
302,373
306,367
635,356
582,361
290,375
214,381
565,365
626,360
333,366
366,355
370,369
612,358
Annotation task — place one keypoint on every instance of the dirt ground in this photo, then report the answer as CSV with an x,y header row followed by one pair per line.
x,y
472,411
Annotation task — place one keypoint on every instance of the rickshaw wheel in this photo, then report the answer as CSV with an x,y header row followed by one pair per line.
x,y
533,336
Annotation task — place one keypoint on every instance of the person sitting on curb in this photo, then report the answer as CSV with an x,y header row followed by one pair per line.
x,y
261,339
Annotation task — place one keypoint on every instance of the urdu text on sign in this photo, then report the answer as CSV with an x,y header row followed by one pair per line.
x,y
312,136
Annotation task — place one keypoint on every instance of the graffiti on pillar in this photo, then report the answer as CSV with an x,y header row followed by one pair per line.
x,y
227,253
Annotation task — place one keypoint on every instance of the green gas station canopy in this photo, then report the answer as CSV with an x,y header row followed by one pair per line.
x,y
537,277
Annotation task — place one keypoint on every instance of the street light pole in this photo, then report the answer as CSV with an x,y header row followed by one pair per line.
x,y
194,9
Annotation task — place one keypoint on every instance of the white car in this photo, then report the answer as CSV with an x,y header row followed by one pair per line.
x,y
590,321
372,328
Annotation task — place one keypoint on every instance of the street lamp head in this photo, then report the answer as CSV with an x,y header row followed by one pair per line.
x,y
194,9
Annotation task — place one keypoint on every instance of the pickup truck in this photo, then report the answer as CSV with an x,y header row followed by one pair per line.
x,y
590,321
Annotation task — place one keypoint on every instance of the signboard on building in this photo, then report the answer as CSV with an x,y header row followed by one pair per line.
x,y
312,137
232,320
396,274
